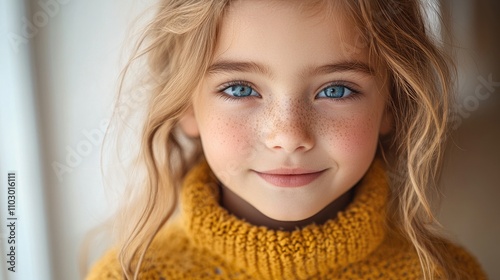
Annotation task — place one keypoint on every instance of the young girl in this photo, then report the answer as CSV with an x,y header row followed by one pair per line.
x,y
289,140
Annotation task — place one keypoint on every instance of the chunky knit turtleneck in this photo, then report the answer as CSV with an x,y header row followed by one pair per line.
x,y
207,242
272,254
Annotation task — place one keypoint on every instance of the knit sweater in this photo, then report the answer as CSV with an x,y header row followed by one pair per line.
x,y
207,242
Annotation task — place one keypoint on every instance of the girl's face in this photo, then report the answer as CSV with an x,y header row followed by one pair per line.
x,y
290,111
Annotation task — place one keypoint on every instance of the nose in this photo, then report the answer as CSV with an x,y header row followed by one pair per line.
x,y
289,128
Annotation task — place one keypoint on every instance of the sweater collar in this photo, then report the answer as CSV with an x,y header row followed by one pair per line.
x,y
272,254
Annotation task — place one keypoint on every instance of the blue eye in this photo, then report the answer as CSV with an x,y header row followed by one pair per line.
x,y
240,90
335,92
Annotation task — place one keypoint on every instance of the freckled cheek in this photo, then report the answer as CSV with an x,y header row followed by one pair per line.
x,y
353,135
229,137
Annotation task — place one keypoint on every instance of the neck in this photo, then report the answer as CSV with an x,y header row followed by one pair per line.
x,y
244,210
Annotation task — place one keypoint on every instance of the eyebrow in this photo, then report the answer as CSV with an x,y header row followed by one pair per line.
x,y
238,66
343,66
225,66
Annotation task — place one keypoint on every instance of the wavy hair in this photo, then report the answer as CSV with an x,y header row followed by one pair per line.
x,y
178,45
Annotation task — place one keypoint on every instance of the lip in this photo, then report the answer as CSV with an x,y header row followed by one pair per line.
x,y
290,178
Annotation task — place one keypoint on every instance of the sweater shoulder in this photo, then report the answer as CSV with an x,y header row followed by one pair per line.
x,y
401,261
106,268
466,262
170,256
168,248
396,258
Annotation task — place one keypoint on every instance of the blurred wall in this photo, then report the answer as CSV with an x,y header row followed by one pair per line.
x,y
471,177
77,59
25,252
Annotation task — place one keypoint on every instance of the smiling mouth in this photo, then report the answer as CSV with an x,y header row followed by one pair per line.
x,y
291,179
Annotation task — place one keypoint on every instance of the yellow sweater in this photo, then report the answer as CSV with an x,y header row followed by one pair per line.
x,y
207,242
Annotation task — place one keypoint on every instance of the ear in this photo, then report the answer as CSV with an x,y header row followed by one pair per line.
x,y
387,122
188,123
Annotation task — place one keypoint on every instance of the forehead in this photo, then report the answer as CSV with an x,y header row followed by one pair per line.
x,y
289,30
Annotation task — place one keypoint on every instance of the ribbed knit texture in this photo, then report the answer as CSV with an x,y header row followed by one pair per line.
x,y
209,243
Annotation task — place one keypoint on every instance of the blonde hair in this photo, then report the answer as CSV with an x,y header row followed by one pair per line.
x,y
179,44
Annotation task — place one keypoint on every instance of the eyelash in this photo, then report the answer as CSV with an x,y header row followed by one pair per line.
x,y
354,95
227,97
